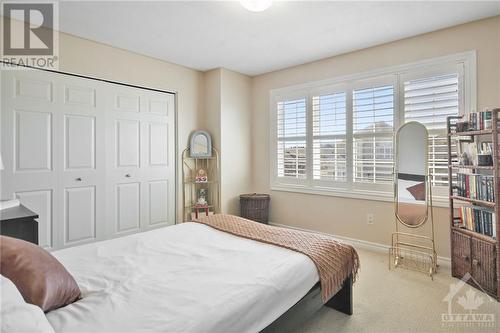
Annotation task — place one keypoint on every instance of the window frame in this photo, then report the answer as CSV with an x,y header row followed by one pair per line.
x,y
465,65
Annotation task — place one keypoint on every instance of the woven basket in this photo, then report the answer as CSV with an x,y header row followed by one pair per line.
x,y
255,207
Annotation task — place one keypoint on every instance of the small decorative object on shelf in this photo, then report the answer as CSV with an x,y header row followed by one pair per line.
x,y
464,159
202,197
200,176
474,193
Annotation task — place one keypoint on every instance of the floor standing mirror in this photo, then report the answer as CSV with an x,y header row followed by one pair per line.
x,y
412,244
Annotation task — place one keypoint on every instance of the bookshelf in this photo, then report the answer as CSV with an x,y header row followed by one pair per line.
x,y
474,209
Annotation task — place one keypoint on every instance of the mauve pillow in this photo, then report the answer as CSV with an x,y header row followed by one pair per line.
x,y
41,279
418,191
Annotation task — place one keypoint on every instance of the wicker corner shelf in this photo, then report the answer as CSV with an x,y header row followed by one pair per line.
x,y
473,252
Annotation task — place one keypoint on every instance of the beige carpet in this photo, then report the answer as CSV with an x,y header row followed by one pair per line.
x,y
403,301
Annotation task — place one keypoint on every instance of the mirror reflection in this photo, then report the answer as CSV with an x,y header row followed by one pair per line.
x,y
411,166
200,145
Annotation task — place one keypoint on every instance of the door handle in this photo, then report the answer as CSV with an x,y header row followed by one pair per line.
x,y
127,175
79,179
475,262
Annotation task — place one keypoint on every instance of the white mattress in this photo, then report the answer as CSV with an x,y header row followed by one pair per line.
x,y
184,278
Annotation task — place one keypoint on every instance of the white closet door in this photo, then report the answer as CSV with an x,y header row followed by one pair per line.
x,y
51,128
93,159
141,167
158,159
82,116
123,180
28,136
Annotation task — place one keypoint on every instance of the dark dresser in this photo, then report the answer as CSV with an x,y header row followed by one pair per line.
x,y
19,222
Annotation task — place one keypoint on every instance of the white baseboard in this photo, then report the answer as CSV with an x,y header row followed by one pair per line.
x,y
362,244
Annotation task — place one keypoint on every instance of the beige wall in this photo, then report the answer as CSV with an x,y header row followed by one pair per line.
x,y
227,116
236,122
347,217
210,114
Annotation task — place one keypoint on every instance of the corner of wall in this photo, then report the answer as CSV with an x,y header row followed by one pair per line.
x,y
227,117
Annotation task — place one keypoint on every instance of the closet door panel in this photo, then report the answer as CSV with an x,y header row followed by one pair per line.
x,y
32,88
79,214
158,144
33,141
127,143
40,202
128,207
161,104
80,142
158,202
127,100
80,96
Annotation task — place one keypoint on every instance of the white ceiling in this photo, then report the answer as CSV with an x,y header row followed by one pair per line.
x,y
205,35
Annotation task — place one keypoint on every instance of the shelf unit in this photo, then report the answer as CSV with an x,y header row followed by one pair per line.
x,y
191,188
471,251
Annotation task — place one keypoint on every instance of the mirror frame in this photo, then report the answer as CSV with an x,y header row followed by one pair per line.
x,y
194,135
428,192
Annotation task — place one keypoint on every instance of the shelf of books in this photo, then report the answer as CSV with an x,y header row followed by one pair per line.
x,y
473,193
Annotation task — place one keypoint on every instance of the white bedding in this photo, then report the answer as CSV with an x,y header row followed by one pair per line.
x,y
405,195
184,278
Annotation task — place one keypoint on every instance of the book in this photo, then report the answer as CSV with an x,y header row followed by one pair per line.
x,y
478,121
477,219
475,186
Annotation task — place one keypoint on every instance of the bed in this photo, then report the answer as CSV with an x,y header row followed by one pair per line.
x,y
190,278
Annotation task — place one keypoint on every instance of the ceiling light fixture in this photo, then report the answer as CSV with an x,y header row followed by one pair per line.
x,y
256,5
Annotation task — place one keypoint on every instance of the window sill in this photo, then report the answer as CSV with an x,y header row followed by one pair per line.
x,y
437,201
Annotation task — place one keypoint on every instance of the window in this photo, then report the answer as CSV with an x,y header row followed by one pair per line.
x,y
336,137
329,136
373,118
291,119
429,100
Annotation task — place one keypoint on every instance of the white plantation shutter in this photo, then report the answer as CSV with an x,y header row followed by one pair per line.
x,y
373,126
335,137
291,138
329,136
430,100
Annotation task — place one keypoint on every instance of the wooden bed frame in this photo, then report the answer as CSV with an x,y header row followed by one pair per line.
x,y
309,305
